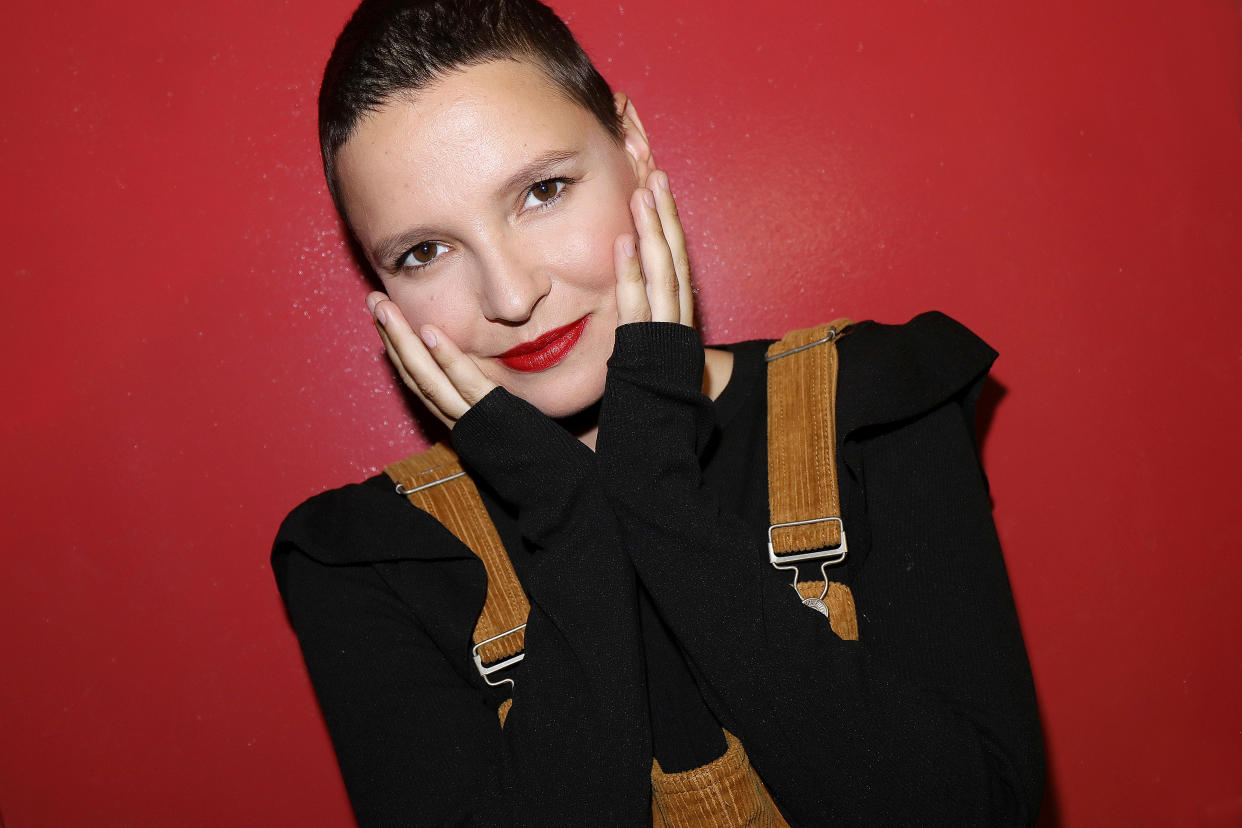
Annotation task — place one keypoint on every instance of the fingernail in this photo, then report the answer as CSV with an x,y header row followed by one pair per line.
x,y
372,301
649,197
662,180
381,317
429,338
627,247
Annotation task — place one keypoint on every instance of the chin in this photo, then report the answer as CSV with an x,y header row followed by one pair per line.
x,y
567,400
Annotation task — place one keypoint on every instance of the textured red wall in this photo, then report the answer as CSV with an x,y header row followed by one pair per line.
x,y
186,355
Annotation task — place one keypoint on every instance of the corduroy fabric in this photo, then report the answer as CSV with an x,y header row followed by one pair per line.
x,y
726,792
932,712
842,613
457,505
802,482
802,438
802,458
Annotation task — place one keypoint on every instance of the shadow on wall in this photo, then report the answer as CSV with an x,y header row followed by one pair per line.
x,y
1050,811
990,397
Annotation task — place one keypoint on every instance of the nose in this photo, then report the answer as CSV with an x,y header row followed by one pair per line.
x,y
513,280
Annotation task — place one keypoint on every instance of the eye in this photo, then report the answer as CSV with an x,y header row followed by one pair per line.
x,y
545,192
420,255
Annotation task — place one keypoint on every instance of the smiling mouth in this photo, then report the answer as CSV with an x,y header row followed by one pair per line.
x,y
542,353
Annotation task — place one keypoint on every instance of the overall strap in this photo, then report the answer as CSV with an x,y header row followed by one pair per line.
x,y
806,526
435,482
802,493
803,496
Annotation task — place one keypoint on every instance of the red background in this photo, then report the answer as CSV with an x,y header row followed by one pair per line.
x,y
186,355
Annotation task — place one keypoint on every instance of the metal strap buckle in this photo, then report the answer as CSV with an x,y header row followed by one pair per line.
x,y
402,490
827,337
487,670
830,555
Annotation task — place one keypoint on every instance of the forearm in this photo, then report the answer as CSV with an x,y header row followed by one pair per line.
x,y
417,735
932,712
386,641
583,671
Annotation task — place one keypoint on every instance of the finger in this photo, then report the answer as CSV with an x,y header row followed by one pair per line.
x,y
632,303
462,371
395,358
405,375
670,223
656,259
407,379
373,299
425,377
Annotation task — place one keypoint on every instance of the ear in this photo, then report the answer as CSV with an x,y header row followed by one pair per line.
x,y
635,137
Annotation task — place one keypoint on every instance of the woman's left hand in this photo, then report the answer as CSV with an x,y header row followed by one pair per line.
x,y
653,278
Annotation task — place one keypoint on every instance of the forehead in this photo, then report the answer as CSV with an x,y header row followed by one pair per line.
x,y
467,131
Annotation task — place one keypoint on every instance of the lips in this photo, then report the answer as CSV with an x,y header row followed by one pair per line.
x,y
542,353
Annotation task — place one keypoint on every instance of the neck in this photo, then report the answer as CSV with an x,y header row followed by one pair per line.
x,y
584,425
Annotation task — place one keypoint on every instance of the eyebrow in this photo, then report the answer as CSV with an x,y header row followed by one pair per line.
x,y
537,169
386,252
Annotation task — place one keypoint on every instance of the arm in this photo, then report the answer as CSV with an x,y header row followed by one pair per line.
x,y
575,741
412,737
579,709
416,732
930,719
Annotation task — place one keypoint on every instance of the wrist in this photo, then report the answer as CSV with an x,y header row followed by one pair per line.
x,y
659,353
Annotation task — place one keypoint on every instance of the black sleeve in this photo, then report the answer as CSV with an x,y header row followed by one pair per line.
x,y
930,719
417,742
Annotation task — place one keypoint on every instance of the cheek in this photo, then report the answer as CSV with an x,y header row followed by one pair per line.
x,y
450,310
586,245
586,258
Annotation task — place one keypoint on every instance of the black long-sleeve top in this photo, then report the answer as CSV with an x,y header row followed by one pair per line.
x,y
656,618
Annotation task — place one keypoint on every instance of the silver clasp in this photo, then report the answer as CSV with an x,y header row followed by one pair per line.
x,y
486,671
402,490
830,555
828,337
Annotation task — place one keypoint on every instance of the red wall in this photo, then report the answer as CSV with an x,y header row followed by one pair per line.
x,y
186,355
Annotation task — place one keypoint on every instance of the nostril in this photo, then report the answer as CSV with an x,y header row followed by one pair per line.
x,y
514,298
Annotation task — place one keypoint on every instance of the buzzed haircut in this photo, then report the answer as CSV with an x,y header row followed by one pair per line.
x,y
390,47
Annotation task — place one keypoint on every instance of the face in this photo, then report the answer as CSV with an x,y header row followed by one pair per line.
x,y
489,204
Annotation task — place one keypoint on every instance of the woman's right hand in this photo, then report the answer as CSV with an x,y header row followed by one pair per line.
x,y
447,381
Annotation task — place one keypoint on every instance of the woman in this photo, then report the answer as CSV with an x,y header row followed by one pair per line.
x,y
537,299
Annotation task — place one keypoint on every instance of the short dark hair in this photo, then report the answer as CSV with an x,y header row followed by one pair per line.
x,y
394,46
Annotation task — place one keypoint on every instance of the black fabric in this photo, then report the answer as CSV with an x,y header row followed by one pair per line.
x,y
655,617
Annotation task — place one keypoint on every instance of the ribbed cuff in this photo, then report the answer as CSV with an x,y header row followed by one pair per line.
x,y
654,407
658,353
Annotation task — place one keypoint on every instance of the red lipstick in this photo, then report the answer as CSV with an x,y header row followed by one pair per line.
x,y
542,353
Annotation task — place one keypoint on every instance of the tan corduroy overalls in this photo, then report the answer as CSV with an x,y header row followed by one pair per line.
x,y
805,510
